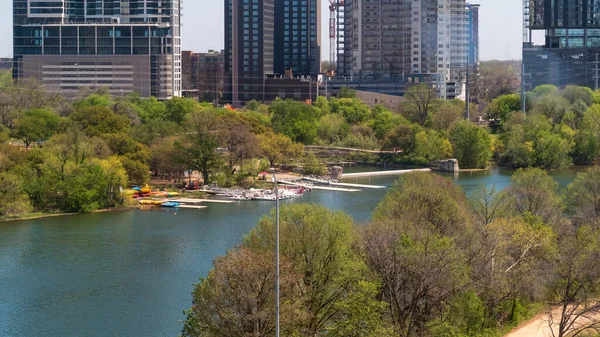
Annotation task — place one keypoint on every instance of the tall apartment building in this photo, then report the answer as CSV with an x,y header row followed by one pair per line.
x,y
297,36
267,39
404,41
452,46
124,45
249,47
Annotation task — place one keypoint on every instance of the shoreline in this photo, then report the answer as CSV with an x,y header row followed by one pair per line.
x,y
36,216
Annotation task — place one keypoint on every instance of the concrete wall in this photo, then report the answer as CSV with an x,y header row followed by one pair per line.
x,y
374,98
64,74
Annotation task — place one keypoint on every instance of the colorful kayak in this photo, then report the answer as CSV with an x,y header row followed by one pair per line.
x,y
170,204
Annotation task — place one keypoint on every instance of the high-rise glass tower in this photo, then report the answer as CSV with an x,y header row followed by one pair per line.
x,y
123,45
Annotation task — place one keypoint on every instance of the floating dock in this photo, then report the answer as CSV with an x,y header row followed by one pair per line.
x,y
198,201
381,173
325,182
192,206
324,188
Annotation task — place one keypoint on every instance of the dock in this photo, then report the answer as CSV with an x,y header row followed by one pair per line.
x,y
325,182
324,188
192,206
198,201
382,173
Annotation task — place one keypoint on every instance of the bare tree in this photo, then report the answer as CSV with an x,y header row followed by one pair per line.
x,y
419,101
495,79
575,286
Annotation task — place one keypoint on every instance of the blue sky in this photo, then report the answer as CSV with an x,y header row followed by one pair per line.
x,y
500,27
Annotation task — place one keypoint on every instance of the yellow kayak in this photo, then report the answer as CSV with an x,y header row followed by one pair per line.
x,y
151,202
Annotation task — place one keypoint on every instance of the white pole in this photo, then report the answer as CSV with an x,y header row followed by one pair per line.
x,y
276,254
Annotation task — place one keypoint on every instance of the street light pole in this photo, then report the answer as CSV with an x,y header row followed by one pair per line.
x,y
276,254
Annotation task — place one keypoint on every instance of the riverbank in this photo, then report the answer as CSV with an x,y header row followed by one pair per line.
x,y
41,215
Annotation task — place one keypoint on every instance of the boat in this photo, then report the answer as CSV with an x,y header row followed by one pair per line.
x,y
238,197
170,204
151,202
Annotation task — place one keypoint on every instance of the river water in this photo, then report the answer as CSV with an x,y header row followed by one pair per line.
x,y
131,273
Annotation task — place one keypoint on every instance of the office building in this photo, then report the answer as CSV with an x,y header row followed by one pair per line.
x,y
571,45
298,36
123,45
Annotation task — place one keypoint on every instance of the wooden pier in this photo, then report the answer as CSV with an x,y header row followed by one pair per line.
x,y
381,173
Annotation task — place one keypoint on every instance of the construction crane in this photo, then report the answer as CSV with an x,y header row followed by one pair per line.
x,y
334,6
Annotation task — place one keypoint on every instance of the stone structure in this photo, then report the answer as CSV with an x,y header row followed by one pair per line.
x,y
337,172
446,165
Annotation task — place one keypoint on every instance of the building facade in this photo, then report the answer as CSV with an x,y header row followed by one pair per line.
x,y
390,41
298,37
268,40
571,46
203,75
208,74
473,34
123,45
249,48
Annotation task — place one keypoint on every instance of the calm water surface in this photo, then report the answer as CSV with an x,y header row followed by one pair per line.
x,y
131,273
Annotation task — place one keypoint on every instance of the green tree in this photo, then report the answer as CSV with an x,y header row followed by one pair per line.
x,y
153,129
420,271
14,202
277,148
471,145
551,151
332,128
447,115
553,107
312,165
502,106
533,191
177,109
294,119
385,121
237,298
583,196
35,126
98,120
574,93
543,91
199,150
322,104
318,242
152,109
354,110
427,200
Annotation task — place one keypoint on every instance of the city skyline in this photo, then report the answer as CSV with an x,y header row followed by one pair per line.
x,y
500,28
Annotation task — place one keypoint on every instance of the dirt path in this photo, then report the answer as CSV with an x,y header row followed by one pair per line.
x,y
537,327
